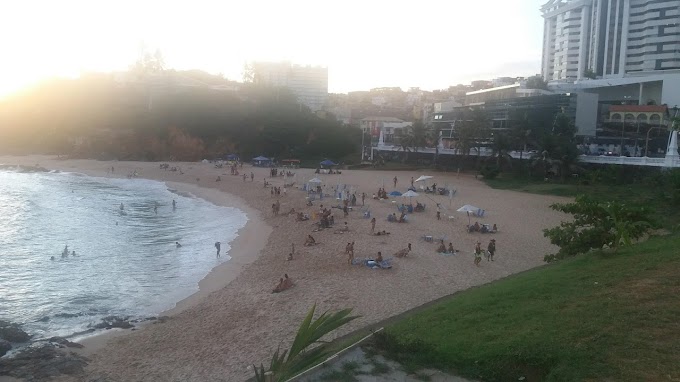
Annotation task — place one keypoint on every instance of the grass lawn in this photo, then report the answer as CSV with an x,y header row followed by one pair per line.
x,y
595,317
636,194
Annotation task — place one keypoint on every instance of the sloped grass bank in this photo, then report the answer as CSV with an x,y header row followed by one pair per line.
x,y
593,317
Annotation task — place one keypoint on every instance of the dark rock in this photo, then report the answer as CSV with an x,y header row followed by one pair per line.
x,y
114,322
41,363
12,332
5,346
64,342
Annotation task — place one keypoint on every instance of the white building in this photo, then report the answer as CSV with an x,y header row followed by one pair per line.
x,y
308,83
612,38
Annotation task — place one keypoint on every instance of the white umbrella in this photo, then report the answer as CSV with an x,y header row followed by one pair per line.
x,y
424,177
315,180
410,195
469,209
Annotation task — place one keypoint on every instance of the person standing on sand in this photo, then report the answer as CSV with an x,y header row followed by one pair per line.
x,y
491,249
363,198
373,226
395,182
252,177
217,246
478,253
411,181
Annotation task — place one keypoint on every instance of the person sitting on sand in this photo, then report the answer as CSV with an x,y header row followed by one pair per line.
x,y
290,256
279,287
402,218
494,229
404,252
219,179
450,249
379,258
477,227
309,241
343,229
442,247
287,282
381,233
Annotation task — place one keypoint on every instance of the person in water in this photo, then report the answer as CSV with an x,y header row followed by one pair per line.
x,y
217,246
122,207
64,253
178,245
73,253
174,205
52,258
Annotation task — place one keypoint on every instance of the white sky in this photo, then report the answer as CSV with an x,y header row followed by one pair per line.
x,y
371,43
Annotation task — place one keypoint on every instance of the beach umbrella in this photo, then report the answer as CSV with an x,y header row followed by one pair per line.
x,y
468,209
410,194
328,163
423,178
395,193
261,158
315,180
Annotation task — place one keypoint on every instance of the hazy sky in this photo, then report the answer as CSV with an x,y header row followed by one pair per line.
x,y
370,43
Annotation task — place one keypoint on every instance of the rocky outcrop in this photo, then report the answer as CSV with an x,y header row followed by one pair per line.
x,y
5,346
63,342
41,363
114,322
12,332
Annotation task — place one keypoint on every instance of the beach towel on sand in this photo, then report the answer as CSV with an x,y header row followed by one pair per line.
x,y
385,264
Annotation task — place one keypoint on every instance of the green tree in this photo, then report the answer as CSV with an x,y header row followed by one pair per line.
x,y
303,353
536,82
557,151
596,225
589,73
501,145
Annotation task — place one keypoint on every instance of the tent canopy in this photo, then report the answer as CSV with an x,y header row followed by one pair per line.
x,y
328,162
468,208
424,177
261,158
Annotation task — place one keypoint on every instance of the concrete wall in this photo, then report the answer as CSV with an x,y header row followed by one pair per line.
x,y
586,113
671,92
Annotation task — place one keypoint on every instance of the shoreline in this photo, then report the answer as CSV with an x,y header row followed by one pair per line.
x,y
220,336
244,249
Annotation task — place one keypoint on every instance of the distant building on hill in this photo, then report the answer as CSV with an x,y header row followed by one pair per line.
x,y
308,83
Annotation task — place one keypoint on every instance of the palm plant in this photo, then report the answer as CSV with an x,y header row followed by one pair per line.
x,y
624,230
501,146
302,353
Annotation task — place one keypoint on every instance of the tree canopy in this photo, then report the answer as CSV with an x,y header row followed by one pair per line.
x,y
171,117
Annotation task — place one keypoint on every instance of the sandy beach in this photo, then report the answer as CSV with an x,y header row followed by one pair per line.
x,y
235,321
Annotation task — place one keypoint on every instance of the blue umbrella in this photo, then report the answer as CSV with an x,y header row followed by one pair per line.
x,y
395,193
261,158
328,163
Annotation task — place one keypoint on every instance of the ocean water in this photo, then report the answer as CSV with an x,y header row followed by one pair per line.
x,y
126,263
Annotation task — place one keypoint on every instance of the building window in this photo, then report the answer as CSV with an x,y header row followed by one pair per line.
x,y
616,117
655,119
630,117
642,118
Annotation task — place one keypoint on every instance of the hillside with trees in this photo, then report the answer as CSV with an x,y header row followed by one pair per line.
x,y
166,115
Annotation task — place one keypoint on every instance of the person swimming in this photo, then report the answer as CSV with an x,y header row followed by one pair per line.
x,y
52,258
122,207
73,253
178,245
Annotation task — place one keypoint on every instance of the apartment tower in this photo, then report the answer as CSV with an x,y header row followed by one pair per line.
x,y
610,38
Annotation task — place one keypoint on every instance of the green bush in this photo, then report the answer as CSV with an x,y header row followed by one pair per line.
x,y
490,172
596,225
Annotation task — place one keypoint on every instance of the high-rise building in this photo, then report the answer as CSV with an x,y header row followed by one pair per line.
x,y
308,83
610,38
